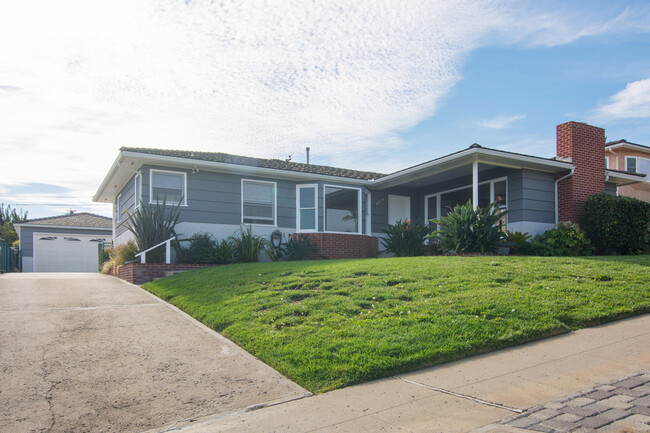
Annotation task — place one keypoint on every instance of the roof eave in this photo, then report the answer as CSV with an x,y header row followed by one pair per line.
x,y
483,155
622,179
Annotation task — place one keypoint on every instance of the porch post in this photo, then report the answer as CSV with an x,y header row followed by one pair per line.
x,y
475,183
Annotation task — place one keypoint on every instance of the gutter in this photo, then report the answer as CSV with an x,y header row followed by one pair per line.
x,y
557,205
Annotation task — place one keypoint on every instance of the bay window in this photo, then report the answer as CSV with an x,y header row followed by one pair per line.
x,y
342,209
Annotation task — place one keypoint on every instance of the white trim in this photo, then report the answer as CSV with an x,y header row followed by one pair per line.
x,y
155,170
118,205
369,214
275,203
47,226
475,183
606,162
359,209
137,190
299,208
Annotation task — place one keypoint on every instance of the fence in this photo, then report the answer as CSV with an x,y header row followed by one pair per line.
x,y
9,258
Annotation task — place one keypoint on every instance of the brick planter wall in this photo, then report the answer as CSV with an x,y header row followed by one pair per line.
x,y
140,273
343,246
585,145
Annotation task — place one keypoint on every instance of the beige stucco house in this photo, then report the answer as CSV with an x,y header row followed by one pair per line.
x,y
634,158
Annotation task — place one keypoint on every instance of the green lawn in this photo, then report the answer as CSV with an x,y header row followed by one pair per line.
x,y
328,324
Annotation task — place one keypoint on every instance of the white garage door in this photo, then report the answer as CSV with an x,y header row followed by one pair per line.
x,y
66,253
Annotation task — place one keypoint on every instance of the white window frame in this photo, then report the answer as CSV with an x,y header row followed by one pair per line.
x,y
155,170
439,194
607,162
359,209
118,205
137,189
299,207
275,202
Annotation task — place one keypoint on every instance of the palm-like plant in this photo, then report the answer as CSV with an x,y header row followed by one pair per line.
x,y
247,245
469,230
152,225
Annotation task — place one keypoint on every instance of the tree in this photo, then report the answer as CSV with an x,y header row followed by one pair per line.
x,y
8,217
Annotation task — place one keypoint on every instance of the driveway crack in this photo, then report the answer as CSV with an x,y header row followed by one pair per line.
x,y
48,393
464,396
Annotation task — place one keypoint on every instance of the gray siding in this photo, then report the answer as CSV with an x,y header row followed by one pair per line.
x,y
215,198
127,203
27,235
531,196
610,188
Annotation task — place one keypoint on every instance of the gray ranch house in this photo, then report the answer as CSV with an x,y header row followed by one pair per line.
x,y
345,211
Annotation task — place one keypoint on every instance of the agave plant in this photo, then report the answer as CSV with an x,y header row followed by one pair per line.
x,y
469,230
405,239
152,225
247,245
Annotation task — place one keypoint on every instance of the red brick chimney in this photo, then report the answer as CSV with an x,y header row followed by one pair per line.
x,y
585,145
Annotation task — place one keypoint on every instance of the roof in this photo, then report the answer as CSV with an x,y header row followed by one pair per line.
x,y
276,164
80,219
625,143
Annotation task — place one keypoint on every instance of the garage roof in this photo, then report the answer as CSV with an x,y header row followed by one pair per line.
x,y
81,219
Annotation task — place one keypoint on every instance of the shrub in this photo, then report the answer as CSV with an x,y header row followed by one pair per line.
x,y
205,250
405,239
297,247
517,241
618,223
469,230
152,225
119,255
567,239
247,246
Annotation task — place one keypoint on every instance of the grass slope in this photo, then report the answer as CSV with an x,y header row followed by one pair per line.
x,y
328,324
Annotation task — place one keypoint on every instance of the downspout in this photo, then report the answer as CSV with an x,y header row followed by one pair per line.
x,y
557,205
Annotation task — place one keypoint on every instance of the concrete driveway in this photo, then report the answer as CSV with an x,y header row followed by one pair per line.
x,y
88,352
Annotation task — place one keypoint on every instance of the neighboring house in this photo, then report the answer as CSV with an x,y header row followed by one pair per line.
x,y
633,158
65,243
345,211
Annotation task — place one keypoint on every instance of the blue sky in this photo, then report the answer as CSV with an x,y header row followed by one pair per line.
x,y
367,85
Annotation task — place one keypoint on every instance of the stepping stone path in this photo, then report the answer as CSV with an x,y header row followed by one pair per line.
x,y
622,406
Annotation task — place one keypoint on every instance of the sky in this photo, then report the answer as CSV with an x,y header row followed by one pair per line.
x,y
368,85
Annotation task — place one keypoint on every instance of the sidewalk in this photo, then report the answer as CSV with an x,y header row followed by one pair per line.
x,y
465,395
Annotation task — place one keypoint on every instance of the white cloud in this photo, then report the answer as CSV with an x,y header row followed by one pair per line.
x,y
501,122
633,102
81,78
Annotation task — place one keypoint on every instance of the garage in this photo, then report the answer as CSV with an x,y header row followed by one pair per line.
x,y
54,252
64,243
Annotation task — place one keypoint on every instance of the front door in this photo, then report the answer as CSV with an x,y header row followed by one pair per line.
x,y
399,208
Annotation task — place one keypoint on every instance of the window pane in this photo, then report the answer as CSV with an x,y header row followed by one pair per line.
x,y
168,180
451,199
307,198
166,194
307,219
341,210
258,192
484,195
631,164
258,211
644,166
500,193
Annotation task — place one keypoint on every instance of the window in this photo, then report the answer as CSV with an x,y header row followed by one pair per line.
x,y
342,209
630,164
258,202
137,189
306,208
643,167
168,186
440,204
607,162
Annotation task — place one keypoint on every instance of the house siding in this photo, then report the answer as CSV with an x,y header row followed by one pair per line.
x,y
215,199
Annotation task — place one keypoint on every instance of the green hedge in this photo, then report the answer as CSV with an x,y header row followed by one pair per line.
x,y
617,223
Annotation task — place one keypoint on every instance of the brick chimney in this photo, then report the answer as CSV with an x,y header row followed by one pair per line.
x,y
585,146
